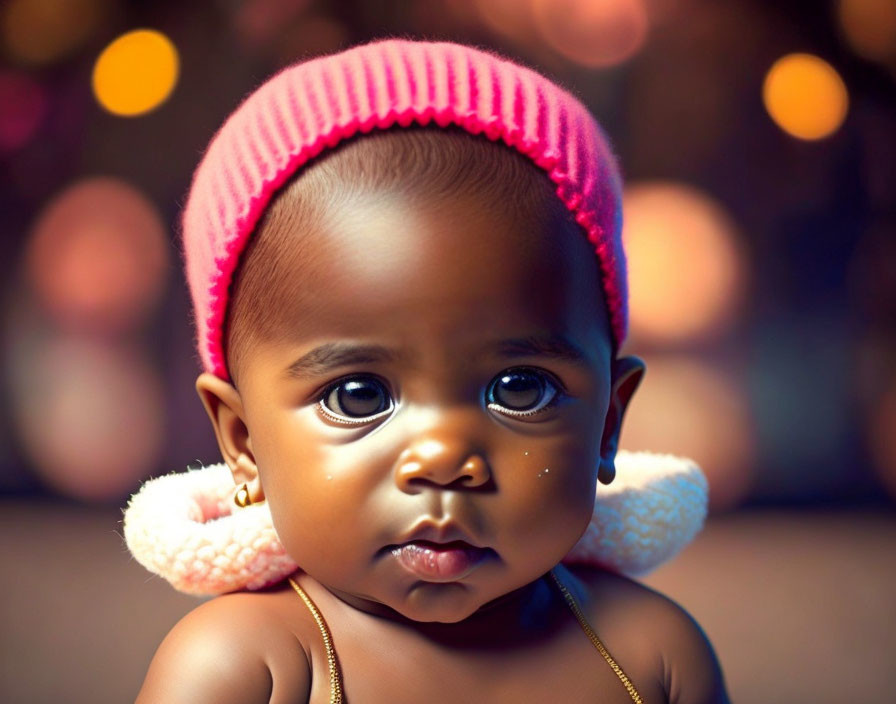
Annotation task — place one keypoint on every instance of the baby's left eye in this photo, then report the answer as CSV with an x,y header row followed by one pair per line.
x,y
521,392
356,400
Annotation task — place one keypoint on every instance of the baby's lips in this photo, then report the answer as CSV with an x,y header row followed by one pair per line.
x,y
439,562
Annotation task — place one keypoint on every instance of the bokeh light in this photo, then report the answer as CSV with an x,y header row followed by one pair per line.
x,y
98,255
870,27
258,22
687,409
805,96
592,33
37,32
136,73
313,35
90,417
882,437
23,106
508,18
686,268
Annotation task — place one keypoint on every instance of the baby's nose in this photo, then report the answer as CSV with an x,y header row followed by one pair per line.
x,y
443,459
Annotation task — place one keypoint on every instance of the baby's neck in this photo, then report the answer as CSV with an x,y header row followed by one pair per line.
x,y
530,610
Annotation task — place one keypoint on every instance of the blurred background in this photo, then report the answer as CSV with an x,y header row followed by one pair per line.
x,y
758,141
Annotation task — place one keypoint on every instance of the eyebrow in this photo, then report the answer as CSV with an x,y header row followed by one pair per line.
x,y
552,346
322,360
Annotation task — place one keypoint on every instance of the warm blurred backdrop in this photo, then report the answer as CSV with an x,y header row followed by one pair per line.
x,y
758,141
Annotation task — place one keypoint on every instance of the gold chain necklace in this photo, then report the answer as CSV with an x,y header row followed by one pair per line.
x,y
336,675
332,663
570,600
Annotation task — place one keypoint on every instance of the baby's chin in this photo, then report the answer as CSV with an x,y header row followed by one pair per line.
x,y
457,602
430,602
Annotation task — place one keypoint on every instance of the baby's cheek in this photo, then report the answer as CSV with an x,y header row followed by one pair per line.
x,y
552,503
330,525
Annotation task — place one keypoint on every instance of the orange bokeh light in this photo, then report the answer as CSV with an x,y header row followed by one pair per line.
x,y
592,33
136,73
687,409
98,255
686,270
805,96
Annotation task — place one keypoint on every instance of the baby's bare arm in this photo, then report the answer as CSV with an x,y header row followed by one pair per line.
x,y
692,674
227,651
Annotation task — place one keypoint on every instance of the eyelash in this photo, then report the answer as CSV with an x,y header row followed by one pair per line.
x,y
354,422
329,415
522,414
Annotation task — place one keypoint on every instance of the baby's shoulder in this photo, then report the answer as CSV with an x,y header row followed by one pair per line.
x,y
241,647
654,639
620,599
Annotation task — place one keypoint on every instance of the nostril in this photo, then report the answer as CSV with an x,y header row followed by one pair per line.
x,y
475,471
464,482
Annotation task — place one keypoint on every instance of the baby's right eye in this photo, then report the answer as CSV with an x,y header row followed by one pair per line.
x,y
355,401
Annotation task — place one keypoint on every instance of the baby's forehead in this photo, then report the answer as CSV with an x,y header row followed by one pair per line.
x,y
477,224
454,248
445,179
375,227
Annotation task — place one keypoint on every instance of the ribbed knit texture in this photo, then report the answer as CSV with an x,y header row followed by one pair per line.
x,y
310,106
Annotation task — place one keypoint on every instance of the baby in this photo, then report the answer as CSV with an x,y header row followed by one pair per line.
x,y
412,371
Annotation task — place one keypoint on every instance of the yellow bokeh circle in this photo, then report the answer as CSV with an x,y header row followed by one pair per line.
x,y
805,96
136,73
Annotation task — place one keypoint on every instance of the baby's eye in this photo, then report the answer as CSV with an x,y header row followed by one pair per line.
x,y
356,400
521,392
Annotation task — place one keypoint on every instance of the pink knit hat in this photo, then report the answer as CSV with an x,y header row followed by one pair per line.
x,y
310,106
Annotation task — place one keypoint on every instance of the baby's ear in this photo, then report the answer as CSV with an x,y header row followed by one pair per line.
x,y
626,374
225,410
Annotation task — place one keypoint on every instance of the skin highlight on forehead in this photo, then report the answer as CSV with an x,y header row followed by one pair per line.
x,y
418,164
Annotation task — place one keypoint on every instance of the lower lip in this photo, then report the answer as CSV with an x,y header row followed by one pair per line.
x,y
439,563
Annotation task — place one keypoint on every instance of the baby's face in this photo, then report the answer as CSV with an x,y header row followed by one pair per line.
x,y
443,376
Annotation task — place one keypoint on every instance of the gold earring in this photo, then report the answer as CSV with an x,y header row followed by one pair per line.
x,y
242,498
